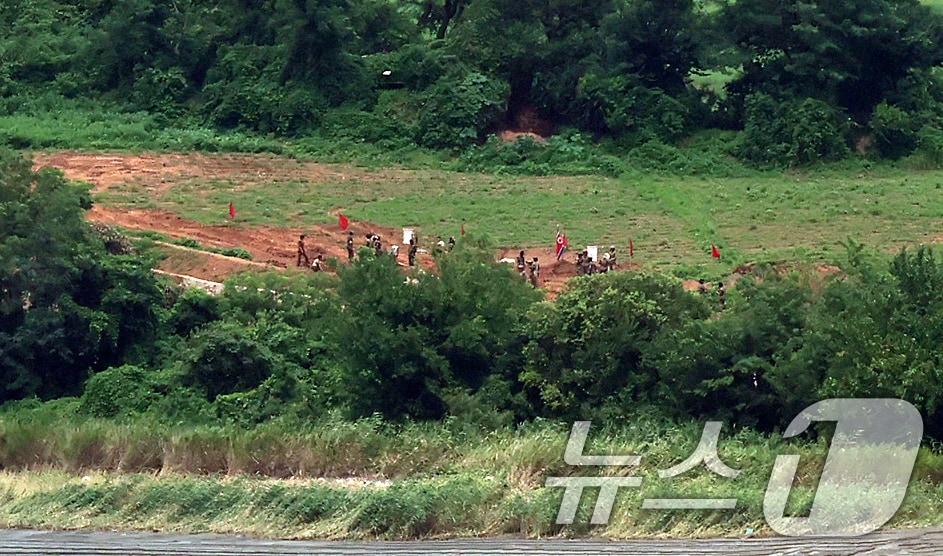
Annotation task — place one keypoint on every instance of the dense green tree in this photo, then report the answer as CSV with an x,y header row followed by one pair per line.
x,y
849,52
67,307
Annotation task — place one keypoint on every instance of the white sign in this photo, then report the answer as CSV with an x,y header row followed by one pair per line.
x,y
592,251
408,234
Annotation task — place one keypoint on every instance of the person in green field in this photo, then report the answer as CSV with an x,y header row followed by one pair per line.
x,y
350,246
721,294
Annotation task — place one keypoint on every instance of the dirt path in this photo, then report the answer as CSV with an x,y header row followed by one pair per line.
x,y
269,245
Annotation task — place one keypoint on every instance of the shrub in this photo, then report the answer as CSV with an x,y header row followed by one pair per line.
x,y
895,130
117,391
568,153
792,132
929,152
160,91
624,107
193,310
224,358
585,349
360,126
245,90
269,399
457,110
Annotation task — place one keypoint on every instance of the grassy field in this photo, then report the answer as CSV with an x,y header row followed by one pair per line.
x,y
672,220
368,480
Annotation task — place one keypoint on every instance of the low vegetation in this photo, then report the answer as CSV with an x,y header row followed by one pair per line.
x,y
371,479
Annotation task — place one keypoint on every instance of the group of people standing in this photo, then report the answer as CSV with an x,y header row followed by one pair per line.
x,y
528,269
373,241
586,265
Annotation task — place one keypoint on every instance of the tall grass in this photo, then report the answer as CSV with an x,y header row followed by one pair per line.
x,y
369,479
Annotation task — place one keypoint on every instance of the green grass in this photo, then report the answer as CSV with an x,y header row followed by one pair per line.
x,y
754,216
406,482
673,220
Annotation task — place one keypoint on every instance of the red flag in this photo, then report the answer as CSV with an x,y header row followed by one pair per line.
x,y
463,228
631,248
232,211
343,221
562,244
715,252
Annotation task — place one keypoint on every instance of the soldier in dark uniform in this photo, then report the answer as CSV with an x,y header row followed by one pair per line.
x,y
721,294
612,257
302,252
413,250
580,264
350,246
378,246
603,264
534,272
451,243
521,264
590,266
701,287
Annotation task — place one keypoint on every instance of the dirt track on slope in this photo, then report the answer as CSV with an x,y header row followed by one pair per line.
x,y
159,173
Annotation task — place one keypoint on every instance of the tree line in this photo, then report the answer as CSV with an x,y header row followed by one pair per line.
x,y
802,81
472,341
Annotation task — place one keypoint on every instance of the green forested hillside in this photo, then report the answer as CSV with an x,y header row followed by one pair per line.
x,y
804,81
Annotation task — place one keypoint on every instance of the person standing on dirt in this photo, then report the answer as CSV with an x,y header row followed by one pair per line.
x,y
317,265
350,246
534,272
701,287
612,257
521,264
394,252
590,266
378,246
721,294
413,251
302,251
580,263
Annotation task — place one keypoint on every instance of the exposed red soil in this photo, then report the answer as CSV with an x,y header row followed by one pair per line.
x,y
554,274
270,245
204,265
159,172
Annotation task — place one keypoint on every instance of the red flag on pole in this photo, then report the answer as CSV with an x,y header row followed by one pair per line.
x,y
562,244
631,248
343,221
232,211
715,252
